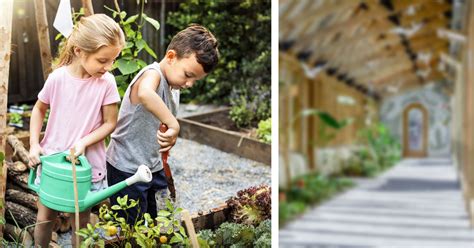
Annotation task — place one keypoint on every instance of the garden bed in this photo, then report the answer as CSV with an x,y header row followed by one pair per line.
x,y
204,178
215,129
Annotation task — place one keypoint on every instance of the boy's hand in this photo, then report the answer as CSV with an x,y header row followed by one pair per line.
x,y
34,156
167,139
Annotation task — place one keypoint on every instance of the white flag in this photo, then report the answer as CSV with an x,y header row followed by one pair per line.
x,y
63,19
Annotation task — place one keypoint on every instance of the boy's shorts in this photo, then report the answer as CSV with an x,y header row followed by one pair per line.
x,y
145,193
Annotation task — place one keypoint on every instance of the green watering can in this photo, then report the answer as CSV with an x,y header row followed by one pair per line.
x,y
56,189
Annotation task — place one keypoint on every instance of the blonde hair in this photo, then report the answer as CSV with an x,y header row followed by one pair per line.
x,y
90,34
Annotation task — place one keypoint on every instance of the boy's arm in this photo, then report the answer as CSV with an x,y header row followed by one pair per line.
x,y
144,92
109,118
36,123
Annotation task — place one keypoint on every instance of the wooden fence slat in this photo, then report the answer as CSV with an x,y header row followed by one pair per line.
x,y
43,37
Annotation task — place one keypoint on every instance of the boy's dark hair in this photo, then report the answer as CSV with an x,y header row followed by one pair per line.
x,y
198,40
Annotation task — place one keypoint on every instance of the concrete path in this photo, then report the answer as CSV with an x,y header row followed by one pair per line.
x,y
418,204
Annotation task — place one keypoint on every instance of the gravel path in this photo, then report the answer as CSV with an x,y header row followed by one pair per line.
x,y
206,177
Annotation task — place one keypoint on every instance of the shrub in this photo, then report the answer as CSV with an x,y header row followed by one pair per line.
x,y
243,76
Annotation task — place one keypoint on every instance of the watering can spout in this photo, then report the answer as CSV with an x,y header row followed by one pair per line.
x,y
143,174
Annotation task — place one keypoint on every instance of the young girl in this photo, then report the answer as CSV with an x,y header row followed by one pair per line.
x,y
82,96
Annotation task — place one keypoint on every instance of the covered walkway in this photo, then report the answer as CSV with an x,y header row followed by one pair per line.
x,y
418,203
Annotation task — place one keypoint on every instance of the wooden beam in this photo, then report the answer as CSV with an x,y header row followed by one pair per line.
x,y
387,74
426,12
375,13
348,25
451,35
450,61
304,14
43,37
390,65
6,12
375,67
403,5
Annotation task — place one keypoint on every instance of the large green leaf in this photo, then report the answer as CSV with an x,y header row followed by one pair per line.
x,y
127,66
152,21
150,51
323,116
140,44
130,19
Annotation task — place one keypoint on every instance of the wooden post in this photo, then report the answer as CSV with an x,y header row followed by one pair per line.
x,y
190,227
6,13
469,113
43,36
73,158
88,9
284,125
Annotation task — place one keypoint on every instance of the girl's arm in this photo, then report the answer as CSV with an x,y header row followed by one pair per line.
x,y
36,123
144,92
109,117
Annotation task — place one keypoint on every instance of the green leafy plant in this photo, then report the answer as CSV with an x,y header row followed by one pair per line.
x,y
309,189
264,131
129,63
16,119
145,232
385,149
231,234
252,205
328,126
242,79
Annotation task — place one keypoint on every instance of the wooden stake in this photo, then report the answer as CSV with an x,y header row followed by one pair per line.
x,y
43,37
6,12
76,200
190,227
88,8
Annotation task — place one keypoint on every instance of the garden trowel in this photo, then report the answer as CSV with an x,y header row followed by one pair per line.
x,y
166,167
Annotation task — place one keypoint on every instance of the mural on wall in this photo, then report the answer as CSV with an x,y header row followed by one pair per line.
x,y
437,104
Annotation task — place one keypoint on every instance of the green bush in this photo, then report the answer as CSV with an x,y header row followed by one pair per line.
x,y
264,131
231,234
243,76
288,210
307,190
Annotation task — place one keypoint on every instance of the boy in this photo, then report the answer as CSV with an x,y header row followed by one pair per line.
x,y
148,102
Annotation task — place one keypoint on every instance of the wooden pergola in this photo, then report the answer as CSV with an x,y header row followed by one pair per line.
x,y
371,50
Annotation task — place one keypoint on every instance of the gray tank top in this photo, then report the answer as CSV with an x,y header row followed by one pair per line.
x,y
134,140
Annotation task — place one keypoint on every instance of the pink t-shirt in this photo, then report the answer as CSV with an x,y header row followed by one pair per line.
x,y
75,111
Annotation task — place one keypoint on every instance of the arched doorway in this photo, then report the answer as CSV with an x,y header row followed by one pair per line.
x,y
415,131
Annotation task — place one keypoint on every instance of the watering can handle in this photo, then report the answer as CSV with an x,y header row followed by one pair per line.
x,y
31,180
